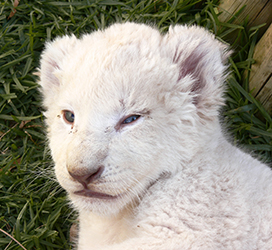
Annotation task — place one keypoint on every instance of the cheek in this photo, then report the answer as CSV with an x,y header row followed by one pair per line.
x,y
61,174
136,157
58,140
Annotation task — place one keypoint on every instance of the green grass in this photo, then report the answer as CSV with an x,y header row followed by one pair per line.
x,y
33,208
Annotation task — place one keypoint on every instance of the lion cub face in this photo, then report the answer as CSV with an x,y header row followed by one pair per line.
x,y
126,105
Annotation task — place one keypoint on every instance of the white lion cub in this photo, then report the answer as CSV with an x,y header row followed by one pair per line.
x,y
135,136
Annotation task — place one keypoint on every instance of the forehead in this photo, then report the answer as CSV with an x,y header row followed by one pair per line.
x,y
113,53
106,66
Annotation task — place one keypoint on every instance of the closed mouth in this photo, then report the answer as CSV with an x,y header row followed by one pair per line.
x,y
93,194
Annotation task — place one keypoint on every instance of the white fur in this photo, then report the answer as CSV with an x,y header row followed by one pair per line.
x,y
179,183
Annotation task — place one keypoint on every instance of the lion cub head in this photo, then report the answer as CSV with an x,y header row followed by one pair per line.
x,y
126,105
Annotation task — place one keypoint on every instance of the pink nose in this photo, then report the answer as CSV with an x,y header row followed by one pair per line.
x,y
87,176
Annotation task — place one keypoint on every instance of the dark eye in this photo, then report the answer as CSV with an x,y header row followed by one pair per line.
x,y
68,116
130,119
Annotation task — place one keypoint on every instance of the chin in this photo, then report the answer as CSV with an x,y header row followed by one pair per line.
x,y
107,205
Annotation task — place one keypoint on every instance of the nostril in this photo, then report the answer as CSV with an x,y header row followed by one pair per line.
x,y
86,177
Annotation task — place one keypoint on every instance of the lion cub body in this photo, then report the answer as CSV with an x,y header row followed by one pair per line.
x,y
134,133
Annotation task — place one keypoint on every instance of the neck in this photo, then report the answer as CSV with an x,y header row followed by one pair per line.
x,y
97,230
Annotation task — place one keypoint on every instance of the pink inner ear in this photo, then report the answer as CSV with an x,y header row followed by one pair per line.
x,y
49,71
193,65
54,65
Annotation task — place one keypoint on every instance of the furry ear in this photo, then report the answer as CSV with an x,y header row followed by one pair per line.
x,y
200,57
51,64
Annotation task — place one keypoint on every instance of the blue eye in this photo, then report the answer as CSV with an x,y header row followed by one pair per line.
x,y
68,116
130,119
